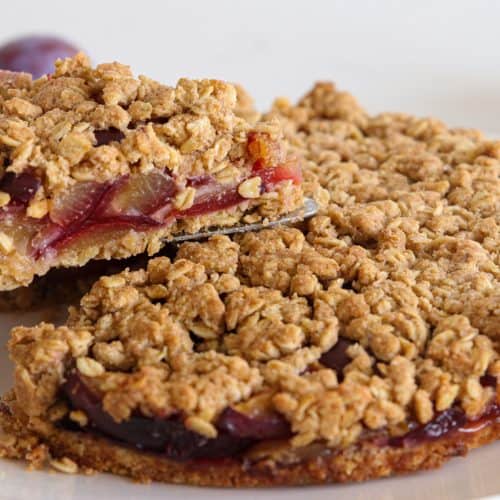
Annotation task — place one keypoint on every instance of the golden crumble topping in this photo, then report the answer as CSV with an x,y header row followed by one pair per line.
x,y
50,124
400,270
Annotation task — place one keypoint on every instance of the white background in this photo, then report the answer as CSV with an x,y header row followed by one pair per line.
x,y
425,57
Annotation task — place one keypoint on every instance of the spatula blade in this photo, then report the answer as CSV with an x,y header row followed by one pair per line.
x,y
309,209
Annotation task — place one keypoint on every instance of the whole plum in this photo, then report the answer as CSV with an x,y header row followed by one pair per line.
x,y
34,54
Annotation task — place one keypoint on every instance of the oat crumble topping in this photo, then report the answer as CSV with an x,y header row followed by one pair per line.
x,y
50,125
402,264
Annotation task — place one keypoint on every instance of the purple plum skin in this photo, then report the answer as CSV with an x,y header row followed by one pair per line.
x,y
34,54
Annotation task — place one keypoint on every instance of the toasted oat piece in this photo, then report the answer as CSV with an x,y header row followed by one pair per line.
x,y
97,164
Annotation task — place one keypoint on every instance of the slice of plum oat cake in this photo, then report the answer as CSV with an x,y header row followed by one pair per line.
x,y
361,344
98,164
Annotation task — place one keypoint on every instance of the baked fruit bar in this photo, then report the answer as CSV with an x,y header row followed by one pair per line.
x,y
96,164
361,344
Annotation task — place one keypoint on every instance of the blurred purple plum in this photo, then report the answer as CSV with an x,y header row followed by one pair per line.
x,y
34,54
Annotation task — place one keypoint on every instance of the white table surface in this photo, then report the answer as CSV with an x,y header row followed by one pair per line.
x,y
427,58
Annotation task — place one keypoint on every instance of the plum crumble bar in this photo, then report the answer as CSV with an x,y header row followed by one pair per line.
x,y
96,164
360,344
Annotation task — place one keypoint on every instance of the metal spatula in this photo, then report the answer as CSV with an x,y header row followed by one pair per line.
x,y
309,209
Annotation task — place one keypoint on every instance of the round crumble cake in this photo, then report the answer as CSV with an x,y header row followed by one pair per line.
x,y
359,344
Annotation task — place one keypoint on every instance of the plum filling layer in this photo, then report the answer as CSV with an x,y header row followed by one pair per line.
x,y
238,432
136,201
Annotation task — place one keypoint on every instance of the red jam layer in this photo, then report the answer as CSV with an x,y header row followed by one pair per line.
x,y
237,431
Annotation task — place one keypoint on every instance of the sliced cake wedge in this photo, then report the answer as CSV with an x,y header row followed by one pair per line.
x,y
97,164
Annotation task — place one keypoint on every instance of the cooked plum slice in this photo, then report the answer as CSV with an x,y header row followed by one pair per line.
x,y
272,176
100,232
139,194
68,213
103,137
78,203
336,358
21,187
267,426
